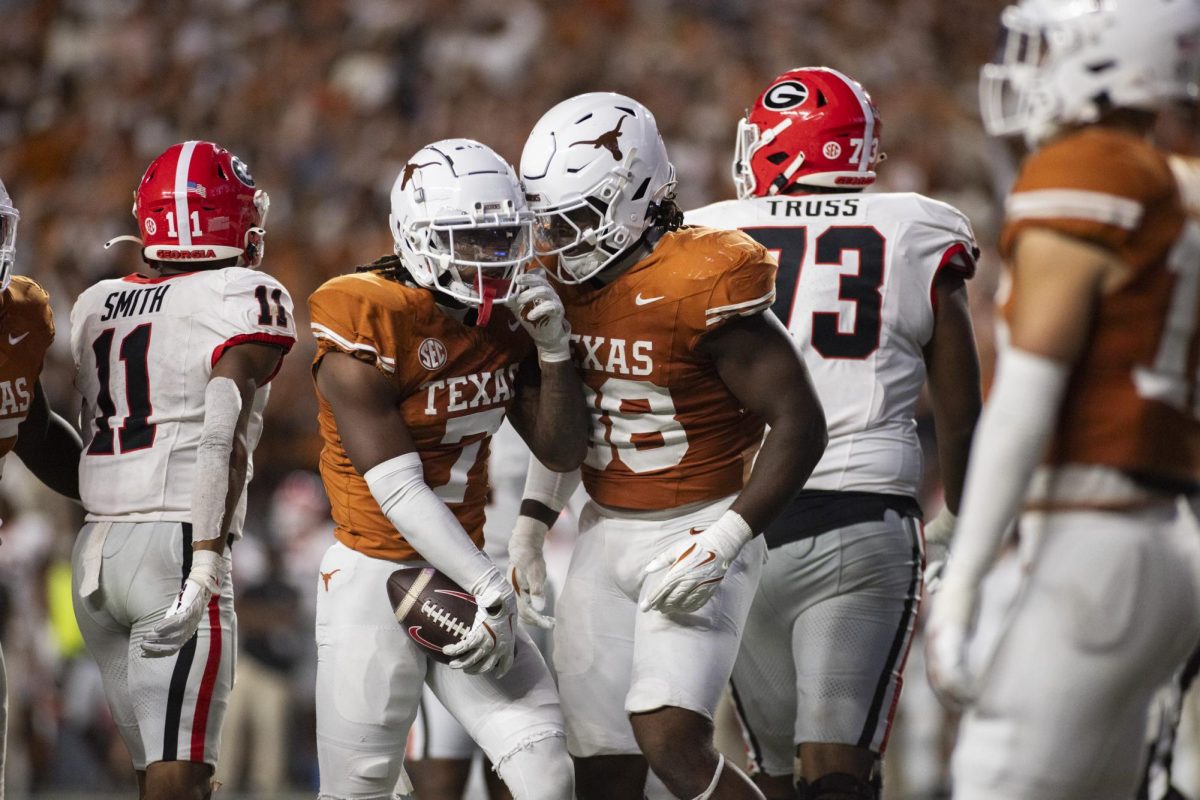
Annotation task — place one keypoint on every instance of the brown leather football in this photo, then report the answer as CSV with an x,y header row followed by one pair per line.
x,y
434,610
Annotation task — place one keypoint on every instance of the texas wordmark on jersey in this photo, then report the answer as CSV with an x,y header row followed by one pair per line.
x,y
666,430
457,381
28,330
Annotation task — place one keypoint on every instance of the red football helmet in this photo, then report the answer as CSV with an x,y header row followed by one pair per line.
x,y
198,203
812,126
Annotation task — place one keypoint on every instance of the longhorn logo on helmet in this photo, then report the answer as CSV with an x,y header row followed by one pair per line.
x,y
607,140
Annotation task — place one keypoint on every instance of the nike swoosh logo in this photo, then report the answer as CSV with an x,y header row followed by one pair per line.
x,y
470,598
17,339
645,301
512,326
415,632
685,554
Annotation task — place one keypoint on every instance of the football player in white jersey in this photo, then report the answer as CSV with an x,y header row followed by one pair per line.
x,y
1090,434
872,287
173,368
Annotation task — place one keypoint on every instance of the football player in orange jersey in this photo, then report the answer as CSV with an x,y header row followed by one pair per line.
x,y
683,363
1176,131
1090,433
43,440
419,359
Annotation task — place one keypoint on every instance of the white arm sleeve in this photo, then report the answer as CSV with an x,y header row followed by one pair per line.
x,y
551,489
1014,431
399,486
222,406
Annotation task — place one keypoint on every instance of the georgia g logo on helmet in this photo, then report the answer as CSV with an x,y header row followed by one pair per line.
x,y
785,95
241,171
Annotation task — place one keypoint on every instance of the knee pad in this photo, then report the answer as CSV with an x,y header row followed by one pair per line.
x,y
365,776
837,786
539,769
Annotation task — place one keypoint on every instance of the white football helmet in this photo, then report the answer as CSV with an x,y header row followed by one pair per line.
x,y
1066,62
460,222
593,167
8,237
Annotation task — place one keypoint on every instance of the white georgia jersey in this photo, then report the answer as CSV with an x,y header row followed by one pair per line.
x,y
855,287
144,351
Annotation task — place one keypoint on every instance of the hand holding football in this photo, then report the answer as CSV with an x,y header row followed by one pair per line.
x,y
435,611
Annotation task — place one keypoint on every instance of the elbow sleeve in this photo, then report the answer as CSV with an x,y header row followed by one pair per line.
x,y
222,407
551,489
399,486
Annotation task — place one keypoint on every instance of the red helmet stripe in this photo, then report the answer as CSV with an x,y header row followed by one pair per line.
x,y
183,222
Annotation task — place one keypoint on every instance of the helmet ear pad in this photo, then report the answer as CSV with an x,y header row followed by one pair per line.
x,y
198,204
811,127
600,151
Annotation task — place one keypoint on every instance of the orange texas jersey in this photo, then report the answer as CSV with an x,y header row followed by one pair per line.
x,y
1131,398
666,430
27,328
456,382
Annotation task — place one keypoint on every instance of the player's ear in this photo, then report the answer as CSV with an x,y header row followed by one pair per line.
x,y
254,248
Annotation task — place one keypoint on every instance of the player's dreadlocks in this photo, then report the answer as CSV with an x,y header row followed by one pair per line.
x,y
390,266
665,214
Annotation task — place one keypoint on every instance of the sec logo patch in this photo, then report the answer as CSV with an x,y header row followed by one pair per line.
x,y
832,150
432,354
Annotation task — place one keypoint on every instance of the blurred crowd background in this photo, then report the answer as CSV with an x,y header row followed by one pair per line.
x,y
325,100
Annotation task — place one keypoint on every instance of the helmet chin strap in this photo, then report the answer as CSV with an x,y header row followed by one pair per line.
x,y
641,248
116,239
784,178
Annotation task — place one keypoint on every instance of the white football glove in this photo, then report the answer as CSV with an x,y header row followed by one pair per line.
x,y
493,638
938,534
946,640
696,566
538,308
179,624
527,570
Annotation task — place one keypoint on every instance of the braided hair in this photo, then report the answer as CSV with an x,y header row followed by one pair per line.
x,y
665,214
390,266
